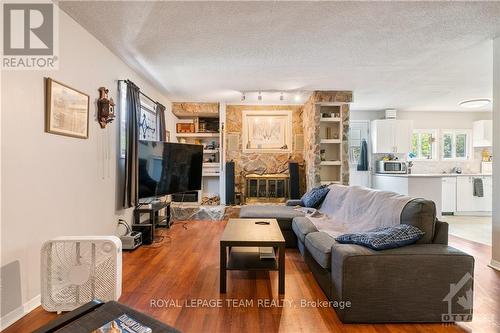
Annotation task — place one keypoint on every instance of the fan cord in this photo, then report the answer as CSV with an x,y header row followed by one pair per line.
x,y
125,224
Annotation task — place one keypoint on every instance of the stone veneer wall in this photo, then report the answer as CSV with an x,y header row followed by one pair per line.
x,y
311,123
195,109
261,163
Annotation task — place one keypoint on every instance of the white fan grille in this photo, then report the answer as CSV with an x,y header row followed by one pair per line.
x,y
75,272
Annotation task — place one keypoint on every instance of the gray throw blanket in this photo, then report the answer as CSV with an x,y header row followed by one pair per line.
x,y
478,190
349,209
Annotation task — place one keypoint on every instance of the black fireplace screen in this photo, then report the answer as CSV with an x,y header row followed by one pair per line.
x,y
267,187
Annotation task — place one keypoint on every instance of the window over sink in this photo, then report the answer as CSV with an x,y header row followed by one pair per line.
x,y
423,145
456,144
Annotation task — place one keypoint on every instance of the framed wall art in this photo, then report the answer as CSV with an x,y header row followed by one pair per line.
x,y
267,131
66,110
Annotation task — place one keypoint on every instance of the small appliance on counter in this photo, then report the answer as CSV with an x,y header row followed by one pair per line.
x,y
487,168
392,166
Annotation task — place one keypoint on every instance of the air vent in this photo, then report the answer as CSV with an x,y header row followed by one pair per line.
x,y
391,113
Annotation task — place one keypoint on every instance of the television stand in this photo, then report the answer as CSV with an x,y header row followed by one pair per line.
x,y
147,227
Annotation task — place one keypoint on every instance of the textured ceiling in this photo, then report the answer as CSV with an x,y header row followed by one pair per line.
x,y
405,55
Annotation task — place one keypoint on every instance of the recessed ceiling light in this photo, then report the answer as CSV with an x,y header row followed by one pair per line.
x,y
475,103
298,97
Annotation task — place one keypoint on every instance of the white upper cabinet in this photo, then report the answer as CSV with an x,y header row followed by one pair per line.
x,y
391,136
482,135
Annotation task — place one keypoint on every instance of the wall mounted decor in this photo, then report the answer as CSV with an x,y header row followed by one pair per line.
x,y
267,131
105,108
66,110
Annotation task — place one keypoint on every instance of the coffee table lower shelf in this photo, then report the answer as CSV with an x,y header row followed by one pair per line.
x,y
248,259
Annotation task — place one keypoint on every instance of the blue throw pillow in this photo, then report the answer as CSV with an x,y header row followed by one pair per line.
x,y
384,238
315,197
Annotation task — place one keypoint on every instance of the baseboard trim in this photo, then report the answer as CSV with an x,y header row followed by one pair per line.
x,y
494,264
13,316
482,214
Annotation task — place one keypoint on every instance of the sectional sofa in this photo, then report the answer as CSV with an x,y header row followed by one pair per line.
x,y
428,281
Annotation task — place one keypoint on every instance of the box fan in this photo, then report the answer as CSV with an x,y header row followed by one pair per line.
x,y
78,269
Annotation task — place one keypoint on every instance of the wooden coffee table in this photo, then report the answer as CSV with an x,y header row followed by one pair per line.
x,y
239,248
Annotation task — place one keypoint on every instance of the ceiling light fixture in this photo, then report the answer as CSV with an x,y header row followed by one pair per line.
x,y
281,96
297,97
243,97
260,96
475,103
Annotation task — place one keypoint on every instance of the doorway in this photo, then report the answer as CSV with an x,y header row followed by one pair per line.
x,y
359,130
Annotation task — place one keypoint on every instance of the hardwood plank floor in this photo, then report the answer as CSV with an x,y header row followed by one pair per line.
x,y
162,281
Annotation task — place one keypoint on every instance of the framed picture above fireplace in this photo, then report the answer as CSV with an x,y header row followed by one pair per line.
x,y
267,131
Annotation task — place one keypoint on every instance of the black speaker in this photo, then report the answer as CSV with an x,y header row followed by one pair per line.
x,y
293,169
230,199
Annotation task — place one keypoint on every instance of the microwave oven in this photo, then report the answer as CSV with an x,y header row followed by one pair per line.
x,y
391,167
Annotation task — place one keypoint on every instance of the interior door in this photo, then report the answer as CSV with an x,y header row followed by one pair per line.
x,y
359,130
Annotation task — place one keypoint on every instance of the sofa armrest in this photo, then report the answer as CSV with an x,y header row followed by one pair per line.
x,y
441,233
294,202
414,279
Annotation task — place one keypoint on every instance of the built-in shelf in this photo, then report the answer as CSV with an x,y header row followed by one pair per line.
x,y
210,151
197,135
331,120
330,163
330,104
331,141
328,182
211,164
210,174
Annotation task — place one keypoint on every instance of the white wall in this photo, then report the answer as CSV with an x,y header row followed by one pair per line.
x,y
54,185
495,256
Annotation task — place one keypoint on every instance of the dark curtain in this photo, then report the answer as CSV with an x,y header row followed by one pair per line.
x,y
160,121
131,195
363,157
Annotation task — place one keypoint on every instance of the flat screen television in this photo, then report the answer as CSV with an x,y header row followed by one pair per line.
x,y
168,168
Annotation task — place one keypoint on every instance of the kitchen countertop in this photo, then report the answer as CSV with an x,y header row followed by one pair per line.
x,y
431,175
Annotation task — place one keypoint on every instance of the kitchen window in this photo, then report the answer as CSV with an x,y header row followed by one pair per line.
x,y
456,144
423,145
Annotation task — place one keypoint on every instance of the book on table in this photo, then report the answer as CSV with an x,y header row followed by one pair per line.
x,y
123,324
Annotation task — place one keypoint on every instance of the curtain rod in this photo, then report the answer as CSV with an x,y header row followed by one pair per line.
x,y
140,92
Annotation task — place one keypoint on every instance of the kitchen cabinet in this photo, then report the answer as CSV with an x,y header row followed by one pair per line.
x,y
482,133
467,202
449,194
391,136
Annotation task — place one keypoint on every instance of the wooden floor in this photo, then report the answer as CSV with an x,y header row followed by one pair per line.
x,y
184,267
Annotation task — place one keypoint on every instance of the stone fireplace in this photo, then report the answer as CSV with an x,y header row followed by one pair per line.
x,y
253,165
